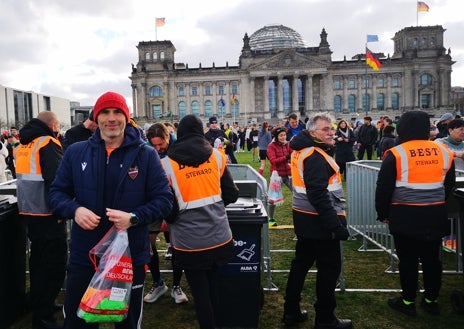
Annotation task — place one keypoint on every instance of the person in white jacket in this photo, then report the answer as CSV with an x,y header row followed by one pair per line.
x,y
3,155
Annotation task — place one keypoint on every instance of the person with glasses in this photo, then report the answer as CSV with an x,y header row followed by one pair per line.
x,y
319,221
455,141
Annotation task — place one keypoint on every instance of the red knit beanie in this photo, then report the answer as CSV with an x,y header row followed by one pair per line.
x,y
110,100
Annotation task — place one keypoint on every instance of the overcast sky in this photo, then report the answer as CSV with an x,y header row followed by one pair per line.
x,y
80,49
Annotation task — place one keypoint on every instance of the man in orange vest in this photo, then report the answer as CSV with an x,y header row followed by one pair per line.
x,y
320,222
415,178
37,160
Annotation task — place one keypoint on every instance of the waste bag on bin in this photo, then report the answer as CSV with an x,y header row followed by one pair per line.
x,y
13,269
457,296
237,292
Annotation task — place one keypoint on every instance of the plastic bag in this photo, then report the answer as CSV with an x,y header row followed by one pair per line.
x,y
108,294
274,194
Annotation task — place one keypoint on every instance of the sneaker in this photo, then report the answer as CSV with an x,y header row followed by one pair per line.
x,y
398,304
155,293
430,307
272,222
168,254
178,295
290,320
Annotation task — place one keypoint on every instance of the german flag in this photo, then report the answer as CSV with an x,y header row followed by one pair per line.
x,y
372,61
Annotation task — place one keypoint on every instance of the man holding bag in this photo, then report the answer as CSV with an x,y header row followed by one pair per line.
x,y
113,178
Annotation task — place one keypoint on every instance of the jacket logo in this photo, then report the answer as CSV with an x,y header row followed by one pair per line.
x,y
83,164
133,172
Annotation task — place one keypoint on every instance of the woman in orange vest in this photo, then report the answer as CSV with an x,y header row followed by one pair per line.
x,y
415,178
200,232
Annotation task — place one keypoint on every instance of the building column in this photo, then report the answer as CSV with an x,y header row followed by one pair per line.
x,y
360,93
250,106
165,104
266,94
280,97
295,94
309,104
345,95
388,103
134,102
374,93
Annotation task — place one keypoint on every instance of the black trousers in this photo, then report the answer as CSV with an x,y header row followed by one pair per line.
x,y
200,283
327,256
410,251
77,281
368,149
47,263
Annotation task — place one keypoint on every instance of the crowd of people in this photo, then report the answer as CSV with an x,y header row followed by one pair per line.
x,y
173,179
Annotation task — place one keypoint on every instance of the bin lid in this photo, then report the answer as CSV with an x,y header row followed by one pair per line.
x,y
250,210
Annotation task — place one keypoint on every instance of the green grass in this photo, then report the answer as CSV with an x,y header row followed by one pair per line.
x,y
362,270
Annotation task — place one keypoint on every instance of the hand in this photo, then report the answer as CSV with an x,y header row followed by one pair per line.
x,y
340,233
86,218
120,219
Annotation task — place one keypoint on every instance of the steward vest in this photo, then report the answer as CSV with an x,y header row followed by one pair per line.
x,y
334,184
202,220
32,197
421,167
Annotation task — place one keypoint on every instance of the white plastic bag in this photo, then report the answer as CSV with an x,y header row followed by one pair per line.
x,y
274,194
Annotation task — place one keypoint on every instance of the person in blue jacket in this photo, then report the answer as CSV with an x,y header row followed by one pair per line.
x,y
113,178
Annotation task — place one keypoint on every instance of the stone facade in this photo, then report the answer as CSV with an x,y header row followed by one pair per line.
x,y
269,83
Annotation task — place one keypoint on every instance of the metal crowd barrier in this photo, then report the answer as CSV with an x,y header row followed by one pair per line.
x,y
362,217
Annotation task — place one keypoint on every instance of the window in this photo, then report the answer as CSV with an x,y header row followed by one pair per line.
x,y
181,91
194,91
162,55
287,96
156,111
208,91
352,103
395,82
156,91
381,101
234,89
380,82
366,83
337,84
208,109
432,42
195,108
366,102
423,42
352,84
182,110
221,109
147,56
155,56
221,90
425,79
236,109
395,98
426,100
337,103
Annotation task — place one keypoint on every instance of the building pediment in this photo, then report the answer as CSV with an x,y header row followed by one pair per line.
x,y
289,59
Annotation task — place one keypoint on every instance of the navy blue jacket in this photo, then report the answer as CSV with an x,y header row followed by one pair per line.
x,y
131,179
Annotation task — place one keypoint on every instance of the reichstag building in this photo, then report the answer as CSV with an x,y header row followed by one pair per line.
x,y
278,73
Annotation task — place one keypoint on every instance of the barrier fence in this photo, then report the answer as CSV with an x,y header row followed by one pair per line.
x,y
362,217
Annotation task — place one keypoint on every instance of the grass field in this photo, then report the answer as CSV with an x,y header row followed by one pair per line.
x,y
362,270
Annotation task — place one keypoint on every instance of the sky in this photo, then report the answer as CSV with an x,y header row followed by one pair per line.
x,y
80,49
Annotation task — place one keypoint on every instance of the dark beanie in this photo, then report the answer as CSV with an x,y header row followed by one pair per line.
x,y
190,125
413,125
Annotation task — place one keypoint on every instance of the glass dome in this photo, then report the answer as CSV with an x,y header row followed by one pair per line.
x,y
275,36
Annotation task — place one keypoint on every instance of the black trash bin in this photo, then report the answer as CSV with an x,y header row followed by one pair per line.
x,y
13,269
457,296
238,293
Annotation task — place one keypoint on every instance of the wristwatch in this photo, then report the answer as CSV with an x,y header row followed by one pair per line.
x,y
134,220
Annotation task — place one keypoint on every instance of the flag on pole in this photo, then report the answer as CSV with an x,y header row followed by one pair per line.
x,y
372,38
372,61
160,21
232,100
221,101
422,6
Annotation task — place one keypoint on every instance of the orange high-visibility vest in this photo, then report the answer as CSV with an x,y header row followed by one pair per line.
x,y
31,194
421,167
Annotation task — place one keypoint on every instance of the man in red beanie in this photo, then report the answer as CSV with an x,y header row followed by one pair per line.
x,y
111,179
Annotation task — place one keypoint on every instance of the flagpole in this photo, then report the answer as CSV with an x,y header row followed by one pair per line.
x,y
156,32
417,13
367,107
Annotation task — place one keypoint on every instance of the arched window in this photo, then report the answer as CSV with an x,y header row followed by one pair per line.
x,y
208,109
221,108
155,56
196,108
156,91
337,103
235,109
162,55
366,100
352,103
182,110
395,98
147,56
380,101
425,79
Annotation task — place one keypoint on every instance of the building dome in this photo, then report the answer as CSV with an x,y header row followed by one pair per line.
x,y
276,36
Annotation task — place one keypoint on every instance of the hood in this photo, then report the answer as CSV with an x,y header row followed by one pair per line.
x,y
413,125
304,139
33,129
191,147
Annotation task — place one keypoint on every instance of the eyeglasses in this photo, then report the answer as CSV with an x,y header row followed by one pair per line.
x,y
327,129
